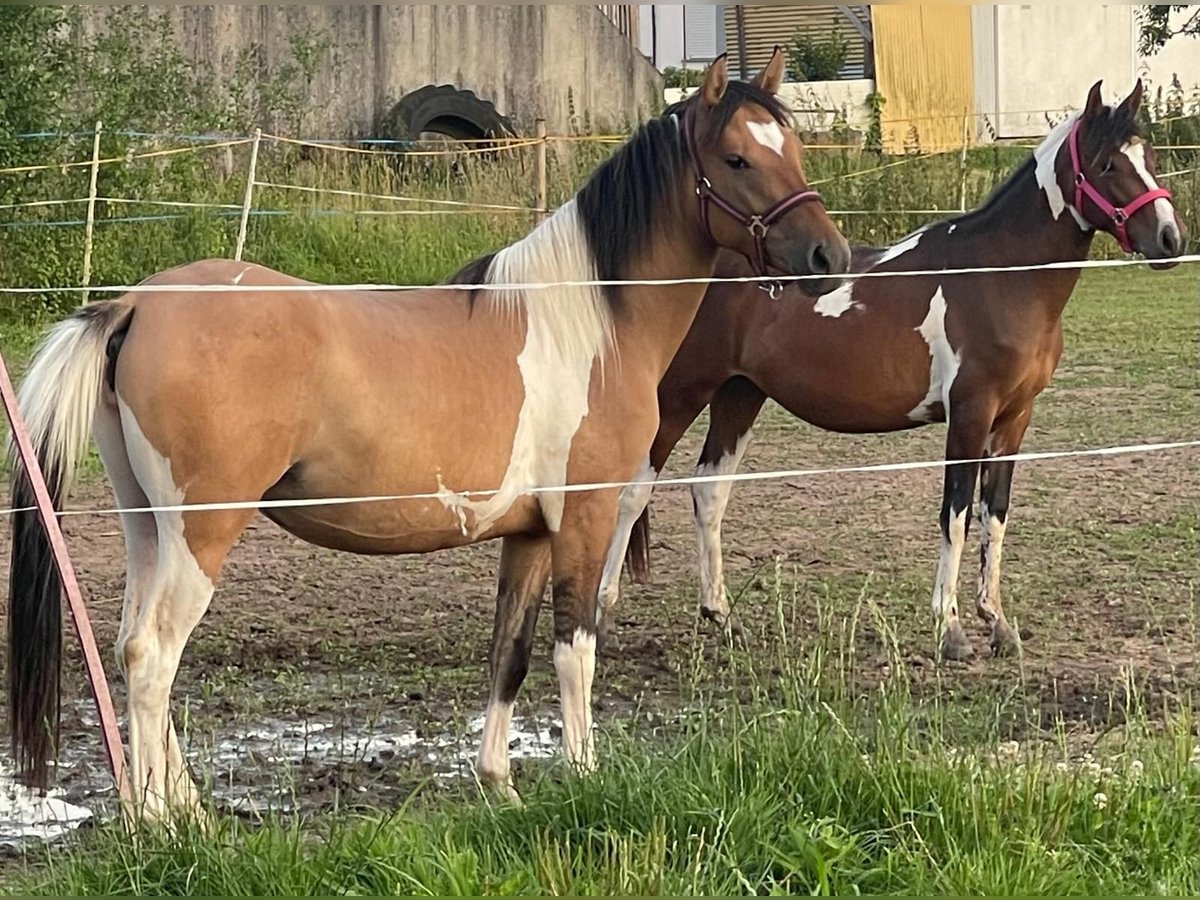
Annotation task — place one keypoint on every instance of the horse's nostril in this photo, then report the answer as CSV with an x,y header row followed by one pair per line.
x,y
818,260
1169,240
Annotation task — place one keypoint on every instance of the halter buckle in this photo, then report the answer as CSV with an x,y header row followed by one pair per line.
x,y
1119,216
703,186
758,228
773,288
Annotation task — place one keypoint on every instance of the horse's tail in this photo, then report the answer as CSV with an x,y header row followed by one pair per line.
x,y
58,399
637,556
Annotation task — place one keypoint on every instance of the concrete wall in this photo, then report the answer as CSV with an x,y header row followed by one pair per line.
x,y
1033,59
562,62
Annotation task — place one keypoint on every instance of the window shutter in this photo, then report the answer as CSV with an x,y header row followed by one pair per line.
x,y
700,26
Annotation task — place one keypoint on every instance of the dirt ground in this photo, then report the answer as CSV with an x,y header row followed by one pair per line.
x,y
1099,574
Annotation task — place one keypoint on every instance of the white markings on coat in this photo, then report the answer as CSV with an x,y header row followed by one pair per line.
x,y
943,360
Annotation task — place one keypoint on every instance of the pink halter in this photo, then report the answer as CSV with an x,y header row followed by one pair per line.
x,y
1117,215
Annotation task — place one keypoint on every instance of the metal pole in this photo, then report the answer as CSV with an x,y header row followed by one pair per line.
x,y
89,228
962,162
249,195
740,13
79,616
540,201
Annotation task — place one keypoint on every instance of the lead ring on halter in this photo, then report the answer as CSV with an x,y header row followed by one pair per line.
x,y
1118,215
758,225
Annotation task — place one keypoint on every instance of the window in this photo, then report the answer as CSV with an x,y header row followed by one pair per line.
x,y
703,32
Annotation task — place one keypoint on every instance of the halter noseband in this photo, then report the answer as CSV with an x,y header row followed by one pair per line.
x,y
758,225
1119,216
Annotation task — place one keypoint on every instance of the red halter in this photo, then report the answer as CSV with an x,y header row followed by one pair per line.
x,y
757,225
1117,215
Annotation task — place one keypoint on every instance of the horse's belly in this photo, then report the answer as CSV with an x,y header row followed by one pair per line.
x,y
399,526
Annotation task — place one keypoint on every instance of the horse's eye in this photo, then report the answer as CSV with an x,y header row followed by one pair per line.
x,y
1108,164
736,162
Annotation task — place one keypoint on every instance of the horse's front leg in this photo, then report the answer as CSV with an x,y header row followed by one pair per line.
x,y
579,549
995,490
524,571
966,440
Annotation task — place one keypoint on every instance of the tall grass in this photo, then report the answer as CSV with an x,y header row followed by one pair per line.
x,y
333,237
810,785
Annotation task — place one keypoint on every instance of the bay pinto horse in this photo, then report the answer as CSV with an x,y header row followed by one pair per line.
x,y
475,399
889,354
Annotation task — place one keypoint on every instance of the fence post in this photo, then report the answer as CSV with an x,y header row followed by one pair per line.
x,y
540,201
248,198
89,228
962,162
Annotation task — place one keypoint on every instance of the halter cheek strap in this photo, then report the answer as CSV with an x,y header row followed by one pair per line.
x,y
757,224
1117,215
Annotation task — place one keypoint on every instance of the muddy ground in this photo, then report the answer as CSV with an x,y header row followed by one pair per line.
x,y
320,678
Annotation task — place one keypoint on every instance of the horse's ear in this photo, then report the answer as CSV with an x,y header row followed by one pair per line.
x,y
1095,102
716,80
771,76
1130,105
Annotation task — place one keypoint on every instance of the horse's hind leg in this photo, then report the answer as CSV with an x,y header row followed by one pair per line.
x,y
732,414
191,548
994,494
524,571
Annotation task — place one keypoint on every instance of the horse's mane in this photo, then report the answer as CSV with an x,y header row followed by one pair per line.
x,y
621,204
1111,129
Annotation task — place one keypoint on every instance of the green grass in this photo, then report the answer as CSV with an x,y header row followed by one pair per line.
x,y
808,787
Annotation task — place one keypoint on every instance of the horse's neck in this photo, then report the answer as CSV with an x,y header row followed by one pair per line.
x,y
1017,228
658,316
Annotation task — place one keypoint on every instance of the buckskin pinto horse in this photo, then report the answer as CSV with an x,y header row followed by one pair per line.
x,y
199,397
890,354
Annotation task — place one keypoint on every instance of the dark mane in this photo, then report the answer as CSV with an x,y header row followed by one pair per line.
x,y
1109,131
620,205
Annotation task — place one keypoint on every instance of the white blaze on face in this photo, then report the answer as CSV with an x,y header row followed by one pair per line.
x,y
709,501
634,498
943,360
1135,151
769,134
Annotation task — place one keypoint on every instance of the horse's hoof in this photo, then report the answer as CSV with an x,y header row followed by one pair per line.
x,y
1005,641
727,626
955,645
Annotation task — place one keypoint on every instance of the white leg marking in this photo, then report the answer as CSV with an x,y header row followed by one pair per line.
x,y
987,597
174,603
769,134
493,763
709,501
945,590
634,498
943,360
575,664
1163,211
568,330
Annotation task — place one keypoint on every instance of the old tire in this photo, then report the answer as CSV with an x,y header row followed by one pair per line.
x,y
446,110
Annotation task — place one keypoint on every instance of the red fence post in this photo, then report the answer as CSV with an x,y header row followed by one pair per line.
x,y
79,615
